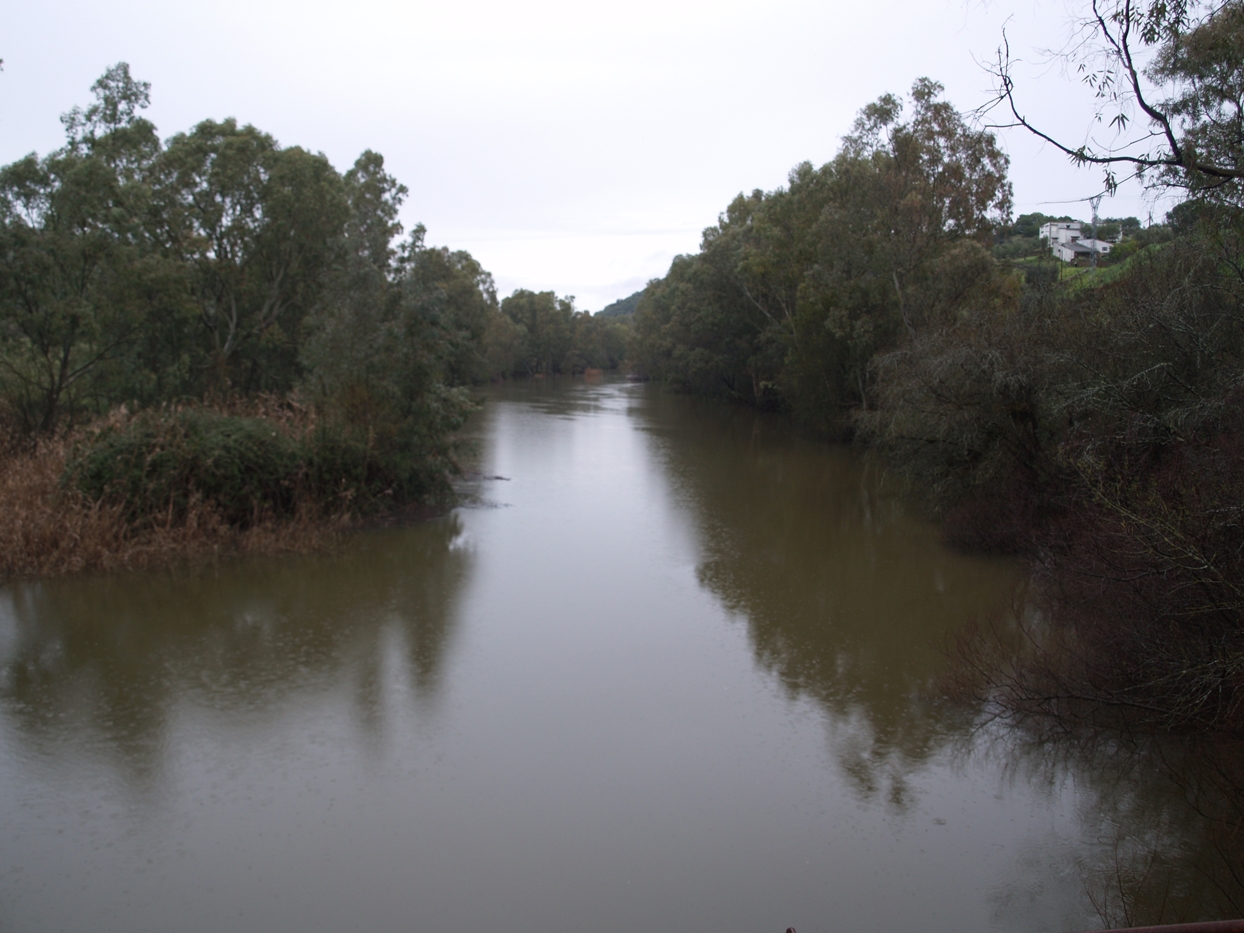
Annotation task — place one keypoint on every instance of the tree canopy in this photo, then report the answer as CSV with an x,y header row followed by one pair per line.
x,y
795,290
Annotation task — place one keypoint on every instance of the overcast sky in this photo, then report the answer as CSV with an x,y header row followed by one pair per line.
x,y
569,146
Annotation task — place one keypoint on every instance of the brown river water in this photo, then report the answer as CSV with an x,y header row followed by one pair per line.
x,y
668,668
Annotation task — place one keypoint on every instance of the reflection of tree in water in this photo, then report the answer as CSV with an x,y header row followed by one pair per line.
x,y
846,594
107,658
1162,820
550,396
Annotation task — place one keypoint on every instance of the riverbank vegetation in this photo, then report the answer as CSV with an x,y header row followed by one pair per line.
x,y
1088,422
215,341
796,291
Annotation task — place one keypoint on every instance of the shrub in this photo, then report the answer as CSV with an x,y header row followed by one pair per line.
x,y
1149,575
158,464
343,468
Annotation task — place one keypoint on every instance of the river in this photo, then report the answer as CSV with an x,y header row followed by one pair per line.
x,y
668,667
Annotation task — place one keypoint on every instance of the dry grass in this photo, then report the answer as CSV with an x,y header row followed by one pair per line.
x,y
49,530
290,412
51,526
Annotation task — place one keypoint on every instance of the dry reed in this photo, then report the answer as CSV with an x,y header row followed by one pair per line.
x,y
48,529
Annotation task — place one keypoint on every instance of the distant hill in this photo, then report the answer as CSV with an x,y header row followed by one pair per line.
x,y
620,308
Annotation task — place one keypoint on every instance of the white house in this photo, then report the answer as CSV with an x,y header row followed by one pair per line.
x,y
1102,246
1071,251
1060,231
1080,249
1066,242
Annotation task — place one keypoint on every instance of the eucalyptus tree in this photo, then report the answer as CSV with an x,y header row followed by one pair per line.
x,y
349,336
456,299
387,346
222,262
1178,121
80,276
794,291
598,342
547,326
902,240
258,225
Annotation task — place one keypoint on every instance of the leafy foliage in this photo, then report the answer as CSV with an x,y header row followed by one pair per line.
x,y
220,265
623,307
539,334
161,463
794,291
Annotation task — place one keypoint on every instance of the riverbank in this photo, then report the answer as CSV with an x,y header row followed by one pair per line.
x,y
184,485
52,530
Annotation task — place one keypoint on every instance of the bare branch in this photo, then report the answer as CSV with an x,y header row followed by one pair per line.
x,y
1119,44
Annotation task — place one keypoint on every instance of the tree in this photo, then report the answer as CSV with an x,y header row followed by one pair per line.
x,y
794,291
599,342
456,298
1191,95
224,264
74,253
258,225
548,324
350,335
912,199
391,344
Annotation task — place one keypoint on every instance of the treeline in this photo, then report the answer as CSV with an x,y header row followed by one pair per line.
x,y
262,338
795,292
539,334
1092,426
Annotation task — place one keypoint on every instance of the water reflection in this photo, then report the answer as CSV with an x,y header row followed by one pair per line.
x,y
1161,817
104,662
844,590
599,698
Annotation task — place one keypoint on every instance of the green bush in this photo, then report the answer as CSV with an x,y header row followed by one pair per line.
x,y
157,464
343,468
161,462
1019,247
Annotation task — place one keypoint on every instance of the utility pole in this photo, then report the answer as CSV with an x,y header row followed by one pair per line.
x,y
1095,201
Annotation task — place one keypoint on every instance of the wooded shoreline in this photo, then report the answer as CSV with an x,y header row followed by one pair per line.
x,y
213,343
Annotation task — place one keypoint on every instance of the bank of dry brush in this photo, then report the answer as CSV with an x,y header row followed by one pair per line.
x,y
187,484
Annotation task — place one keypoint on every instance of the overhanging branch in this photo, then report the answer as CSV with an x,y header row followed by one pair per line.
x,y
1176,157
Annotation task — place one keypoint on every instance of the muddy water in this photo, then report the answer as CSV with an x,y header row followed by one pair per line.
x,y
666,669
